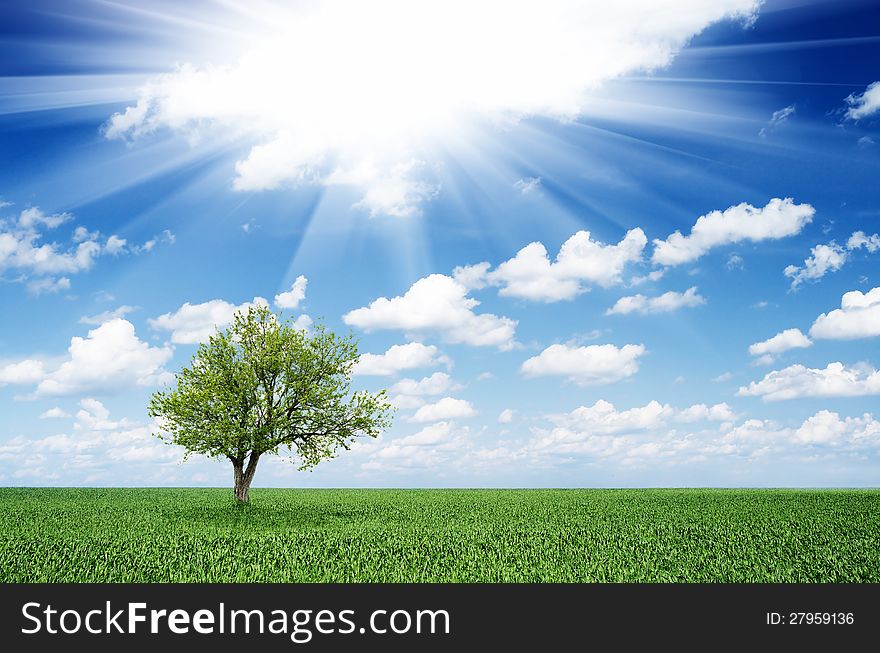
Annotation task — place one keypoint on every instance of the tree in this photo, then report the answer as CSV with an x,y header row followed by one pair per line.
x,y
264,387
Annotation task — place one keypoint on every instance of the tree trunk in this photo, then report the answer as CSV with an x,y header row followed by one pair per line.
x,y
243,475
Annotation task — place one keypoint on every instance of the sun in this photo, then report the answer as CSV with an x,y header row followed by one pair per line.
x,y
340,92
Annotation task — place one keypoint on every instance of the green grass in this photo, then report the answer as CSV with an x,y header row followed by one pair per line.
x,y
191,535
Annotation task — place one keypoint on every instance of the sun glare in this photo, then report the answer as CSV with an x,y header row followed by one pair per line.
x,y
357,93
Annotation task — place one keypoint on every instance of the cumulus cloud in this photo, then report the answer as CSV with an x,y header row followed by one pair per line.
x,y
472,277
109,359
291,299
830,257
22,372
22,249
436,384
398,358
54,413
827,428
409,393
195,323
591,365
303,322
701,412
781,342
857,317
48,285
581,261
862,105
95,447
106,316
41,264
665,303
604,418
437,304
797,381
506,416
653,275
433,447
399,192
404,90
444,409
778,219
641,439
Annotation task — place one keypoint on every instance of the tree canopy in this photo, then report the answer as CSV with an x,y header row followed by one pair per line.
x,y
263,387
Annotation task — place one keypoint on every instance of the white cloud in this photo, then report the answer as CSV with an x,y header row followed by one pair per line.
x,y
33,217
431,435
440,304
506,416
109,359
39,263
865,104
722,378
22,372
398,358
106,316
528,185
399,193
436,384
859,240
781,342
20,246
782,114
408,393
195,323
444,409
591,365
823,259
48,285
291,298
96,448
399,92
642,439
54,413
777,118
653,275
434,447
796,381
826,427
602,418
778,219
581,261
701,412
303,322
830,257
115,245
406,402
857,317
472,277
166,237
665,303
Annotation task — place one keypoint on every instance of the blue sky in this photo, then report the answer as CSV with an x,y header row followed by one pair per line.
x,y
487,197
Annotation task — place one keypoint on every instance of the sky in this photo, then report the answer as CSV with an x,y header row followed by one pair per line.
x,y
582,244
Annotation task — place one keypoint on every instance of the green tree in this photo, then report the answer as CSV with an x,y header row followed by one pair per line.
x,y
264,387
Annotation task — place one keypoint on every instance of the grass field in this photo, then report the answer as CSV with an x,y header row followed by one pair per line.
x,y
190,535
